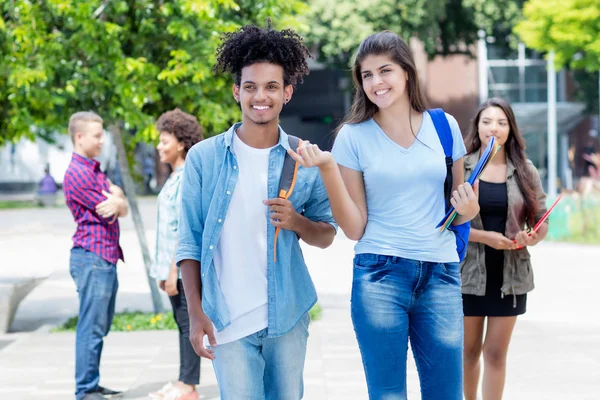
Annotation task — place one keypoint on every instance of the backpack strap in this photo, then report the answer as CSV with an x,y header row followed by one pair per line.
x,y
287,181
442,127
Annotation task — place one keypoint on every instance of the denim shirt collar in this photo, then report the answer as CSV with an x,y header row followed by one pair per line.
x,y
283,137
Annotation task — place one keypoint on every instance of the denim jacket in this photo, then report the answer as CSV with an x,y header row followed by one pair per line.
x,y
518,275
209,180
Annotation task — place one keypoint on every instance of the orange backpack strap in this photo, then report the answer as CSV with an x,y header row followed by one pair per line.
x,y
287,181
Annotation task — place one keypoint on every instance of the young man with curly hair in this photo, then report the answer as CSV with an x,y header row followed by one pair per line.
x,y
249,290
179,131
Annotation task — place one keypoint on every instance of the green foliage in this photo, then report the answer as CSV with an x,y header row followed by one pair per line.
x,y
130,321
570,28
444,26
127,60
139,321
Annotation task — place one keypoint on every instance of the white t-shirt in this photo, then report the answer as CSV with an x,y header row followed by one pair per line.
x,y
241,254
404,188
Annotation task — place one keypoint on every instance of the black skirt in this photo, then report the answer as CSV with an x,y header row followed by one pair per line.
x,y
493,203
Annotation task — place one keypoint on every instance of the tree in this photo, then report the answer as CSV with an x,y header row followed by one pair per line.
x,y
444,26
127,60
570,28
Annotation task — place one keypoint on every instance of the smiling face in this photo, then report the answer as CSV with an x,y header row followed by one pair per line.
x,y
383,81
169,148
262,93
493,122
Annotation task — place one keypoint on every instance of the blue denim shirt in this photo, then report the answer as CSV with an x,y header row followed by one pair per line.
x,y
209,179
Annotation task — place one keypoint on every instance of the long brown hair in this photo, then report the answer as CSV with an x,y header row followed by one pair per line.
x,y
392,45
515,151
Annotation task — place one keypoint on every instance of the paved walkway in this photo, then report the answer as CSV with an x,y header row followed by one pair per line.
x,y
554,353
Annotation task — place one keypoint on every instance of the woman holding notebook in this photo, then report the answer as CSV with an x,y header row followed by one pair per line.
x,y
496,273
385,180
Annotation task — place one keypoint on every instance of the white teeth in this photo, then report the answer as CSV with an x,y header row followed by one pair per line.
x,y
380,92
260,107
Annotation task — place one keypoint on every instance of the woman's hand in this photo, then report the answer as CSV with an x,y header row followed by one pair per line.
x,y
498,241
310,155
525,238
465,200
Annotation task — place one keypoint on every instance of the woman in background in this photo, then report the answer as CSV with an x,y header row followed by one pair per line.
x,y
496,273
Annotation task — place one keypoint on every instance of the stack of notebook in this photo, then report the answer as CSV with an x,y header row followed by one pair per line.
x,y
484,160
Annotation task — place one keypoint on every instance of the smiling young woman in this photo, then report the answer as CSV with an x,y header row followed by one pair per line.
x,y
385,180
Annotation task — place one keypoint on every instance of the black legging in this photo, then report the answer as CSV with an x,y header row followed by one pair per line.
x,y
189,361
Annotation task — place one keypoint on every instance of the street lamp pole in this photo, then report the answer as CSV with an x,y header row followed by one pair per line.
x,y
482,63
552,130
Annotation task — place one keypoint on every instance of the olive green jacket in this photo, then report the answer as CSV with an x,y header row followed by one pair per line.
x,y
518,275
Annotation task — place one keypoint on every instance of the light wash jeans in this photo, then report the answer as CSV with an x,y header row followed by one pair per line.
x,y
257,367
394,299
97,284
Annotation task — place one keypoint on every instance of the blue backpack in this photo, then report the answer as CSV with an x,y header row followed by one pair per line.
x,y
461,232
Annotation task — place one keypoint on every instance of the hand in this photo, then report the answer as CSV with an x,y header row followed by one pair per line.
x,y
161,285
283,213
117,191
200,325
171,284
109,207
499,242
524,238
465,200
309,155
593,158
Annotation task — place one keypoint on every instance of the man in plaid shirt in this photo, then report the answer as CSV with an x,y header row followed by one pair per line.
x,y
96,205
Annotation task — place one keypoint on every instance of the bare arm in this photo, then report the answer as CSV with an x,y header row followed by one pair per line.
x,y
345,188
319,234
495,240
200,324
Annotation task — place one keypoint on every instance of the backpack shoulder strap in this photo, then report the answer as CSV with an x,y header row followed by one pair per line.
x,y
289,171
443,130
442,127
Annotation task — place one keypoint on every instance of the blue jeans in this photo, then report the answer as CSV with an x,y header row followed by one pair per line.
x,y
257,367
97,284
394,299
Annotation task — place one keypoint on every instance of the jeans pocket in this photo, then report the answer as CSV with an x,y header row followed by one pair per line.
x,y
451,272
101,264
368,261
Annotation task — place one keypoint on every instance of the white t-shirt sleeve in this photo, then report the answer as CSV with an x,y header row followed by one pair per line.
x,y
458,142
345,150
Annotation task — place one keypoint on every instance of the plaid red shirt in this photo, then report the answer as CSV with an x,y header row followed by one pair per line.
x,y
83,185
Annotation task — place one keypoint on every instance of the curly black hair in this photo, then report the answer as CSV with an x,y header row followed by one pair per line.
x,y
182,125
249,45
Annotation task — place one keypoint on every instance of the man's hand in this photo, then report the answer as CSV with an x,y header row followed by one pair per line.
x,y
499,242
283,213
200,325
117,191
171,284
465,200
525,238
110,207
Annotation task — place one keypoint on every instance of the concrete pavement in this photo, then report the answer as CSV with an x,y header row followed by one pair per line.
x,y
555,352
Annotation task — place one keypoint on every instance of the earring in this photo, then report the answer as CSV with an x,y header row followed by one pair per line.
x,y
286,101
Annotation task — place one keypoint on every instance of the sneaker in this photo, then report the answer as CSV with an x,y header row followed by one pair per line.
x,y
160,394
176,394
108,393
93,396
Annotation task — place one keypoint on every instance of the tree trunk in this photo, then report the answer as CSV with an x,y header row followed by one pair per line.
x,y
129,189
